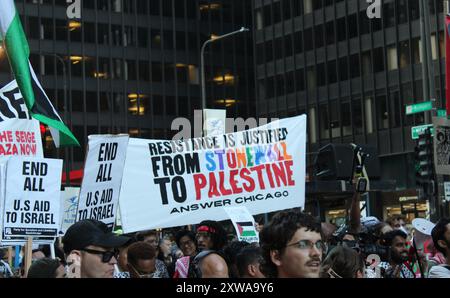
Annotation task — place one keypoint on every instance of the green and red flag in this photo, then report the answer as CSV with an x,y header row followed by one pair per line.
x,y
16,45
246,229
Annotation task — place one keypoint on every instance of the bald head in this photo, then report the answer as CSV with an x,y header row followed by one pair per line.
x,y
214,266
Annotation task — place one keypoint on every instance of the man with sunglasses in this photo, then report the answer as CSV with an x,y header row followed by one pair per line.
x,y
90,244
292,246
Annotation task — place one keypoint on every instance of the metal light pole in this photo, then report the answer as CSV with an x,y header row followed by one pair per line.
x,y
202,58
429,92
66,150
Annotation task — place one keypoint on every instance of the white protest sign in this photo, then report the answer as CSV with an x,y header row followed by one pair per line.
x,y
21,241
441,145
69,204
20,135
176,183
20,138
32,197
447,191
244,223
102,178
215,122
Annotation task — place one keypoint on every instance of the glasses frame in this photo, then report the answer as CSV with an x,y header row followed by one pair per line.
x,y
106,255
323,249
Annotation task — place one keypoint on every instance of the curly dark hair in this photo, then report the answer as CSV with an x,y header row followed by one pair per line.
x,y
387,238
344,261
219,238
180,234
279,231
140,251
438,233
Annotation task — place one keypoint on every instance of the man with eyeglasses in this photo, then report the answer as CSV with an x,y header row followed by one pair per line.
x,y
90,244
292,246
186,241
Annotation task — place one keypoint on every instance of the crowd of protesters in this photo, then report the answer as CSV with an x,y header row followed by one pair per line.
x,y
292,244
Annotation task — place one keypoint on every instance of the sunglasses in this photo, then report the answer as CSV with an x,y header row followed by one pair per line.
x,y
106,255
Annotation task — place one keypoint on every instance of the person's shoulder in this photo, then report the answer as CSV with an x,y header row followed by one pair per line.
x,y
215,258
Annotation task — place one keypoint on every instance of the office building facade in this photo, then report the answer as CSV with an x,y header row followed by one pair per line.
x,y
132,66
353,76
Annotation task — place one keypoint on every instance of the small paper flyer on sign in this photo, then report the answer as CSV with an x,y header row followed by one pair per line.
x,y
244,223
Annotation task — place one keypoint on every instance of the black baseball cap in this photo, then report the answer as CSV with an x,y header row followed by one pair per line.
x,y
91,232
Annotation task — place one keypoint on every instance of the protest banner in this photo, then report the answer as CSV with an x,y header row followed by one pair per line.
x,y
32,197
441,145
180,182
102,178
20,135
244,223
69,204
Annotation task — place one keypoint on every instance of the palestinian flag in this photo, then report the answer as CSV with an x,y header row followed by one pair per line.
x,y
16,45
246,229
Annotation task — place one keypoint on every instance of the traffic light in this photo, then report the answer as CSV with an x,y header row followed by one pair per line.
x,y
424,164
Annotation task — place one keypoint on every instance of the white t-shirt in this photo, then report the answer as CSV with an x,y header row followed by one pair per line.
x,y
439,271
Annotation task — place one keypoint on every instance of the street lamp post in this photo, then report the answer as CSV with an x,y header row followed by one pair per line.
x,y
202,58
66,150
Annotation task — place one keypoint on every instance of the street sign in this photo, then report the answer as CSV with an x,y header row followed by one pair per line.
x,y
447,191
416,130
419,107
441,113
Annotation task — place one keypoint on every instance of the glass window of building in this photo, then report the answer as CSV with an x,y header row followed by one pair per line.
x,y
341,29
392,60
308,6
402,11
413,10
378,59
318,34
382,112
404,54
355,66
352,25
366,63
267,15
300,79
364,22
269,51
346,114
309,41
332,73
329,27
321,74
288,47
298,42
395,109
416,51
343,69
276,10
311,77
388,16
